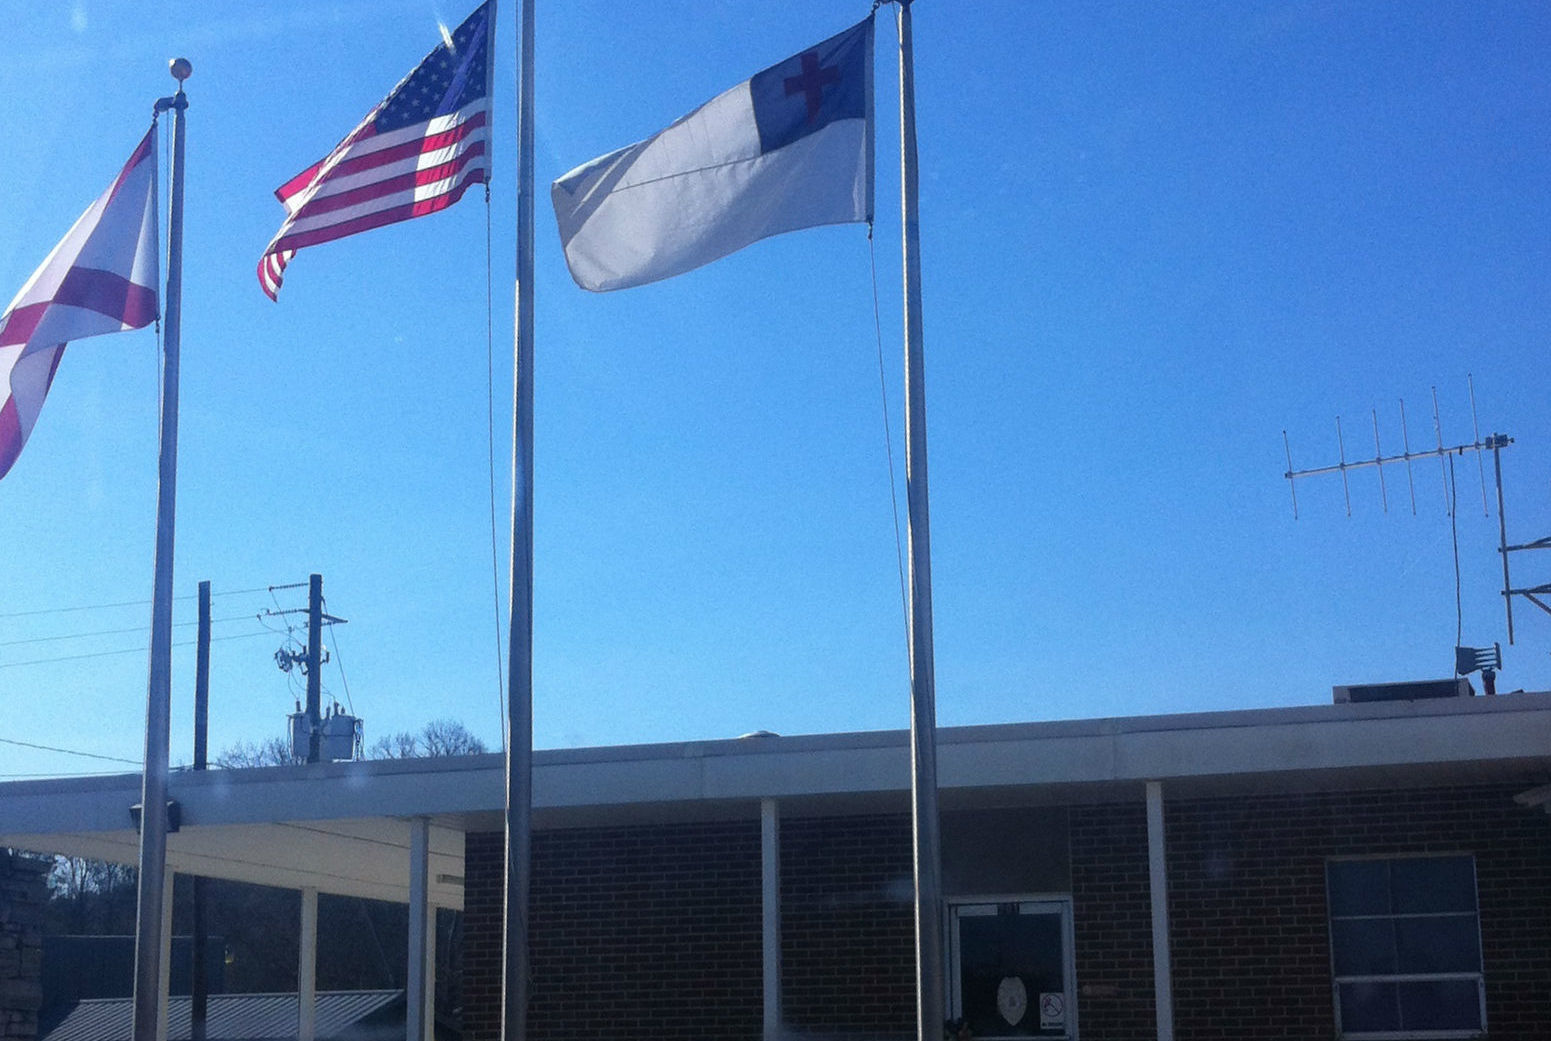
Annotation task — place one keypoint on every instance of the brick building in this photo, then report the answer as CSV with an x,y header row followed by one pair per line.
x,y
1348,870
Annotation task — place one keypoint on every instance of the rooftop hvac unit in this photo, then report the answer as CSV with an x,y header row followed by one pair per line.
x,y
1415,690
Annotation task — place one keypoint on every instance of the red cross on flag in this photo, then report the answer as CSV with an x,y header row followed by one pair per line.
x,y
790,148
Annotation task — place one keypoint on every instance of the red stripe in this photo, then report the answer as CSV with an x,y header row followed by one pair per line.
x,y
466,167
404,150
303,179
271,271
265,280
376,220
405,182
300,181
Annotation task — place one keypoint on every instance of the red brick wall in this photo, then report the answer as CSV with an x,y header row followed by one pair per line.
x,y
1112,919
1250,942
654,932
1248,913
484,862
848,926
636,933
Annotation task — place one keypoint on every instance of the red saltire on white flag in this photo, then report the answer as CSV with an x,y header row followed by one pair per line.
x,y
101,278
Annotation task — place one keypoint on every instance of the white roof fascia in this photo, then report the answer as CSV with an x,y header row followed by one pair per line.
x,y
1506,730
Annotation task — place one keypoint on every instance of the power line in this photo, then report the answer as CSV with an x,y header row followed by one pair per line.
x,y
340,660
126,650
129,603
73,773
112,632
70,751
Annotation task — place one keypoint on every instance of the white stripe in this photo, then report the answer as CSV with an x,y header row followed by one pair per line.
x,y
377,142
340,184
271,274
386,202
294,225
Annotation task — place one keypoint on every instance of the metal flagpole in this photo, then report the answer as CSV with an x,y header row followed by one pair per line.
x,y
923,698
519,711
153,796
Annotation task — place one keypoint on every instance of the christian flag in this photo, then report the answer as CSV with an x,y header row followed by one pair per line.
x,y
414,154
101,278
790,148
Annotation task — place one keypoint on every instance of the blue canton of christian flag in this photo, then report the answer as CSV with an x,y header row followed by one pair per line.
x,y
790,148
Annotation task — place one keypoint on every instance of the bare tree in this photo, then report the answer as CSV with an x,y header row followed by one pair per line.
x,y
440,737
91,896
274,751
449,737
402,745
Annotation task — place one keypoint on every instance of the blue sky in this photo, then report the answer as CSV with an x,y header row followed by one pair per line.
x,y
1152,240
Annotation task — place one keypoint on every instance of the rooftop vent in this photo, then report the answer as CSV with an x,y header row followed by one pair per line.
x,y
1458,687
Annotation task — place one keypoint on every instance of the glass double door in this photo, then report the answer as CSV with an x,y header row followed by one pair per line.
x,y
1011,969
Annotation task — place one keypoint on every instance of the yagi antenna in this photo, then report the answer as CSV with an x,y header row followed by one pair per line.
x,y
1493,442
1538,595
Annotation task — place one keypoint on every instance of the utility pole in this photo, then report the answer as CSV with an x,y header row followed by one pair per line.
x,y
311,658
314,667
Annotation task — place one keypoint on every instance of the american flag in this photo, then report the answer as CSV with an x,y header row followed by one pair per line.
x,y
414,154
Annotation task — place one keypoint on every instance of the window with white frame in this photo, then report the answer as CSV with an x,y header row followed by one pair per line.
x,y
1405,947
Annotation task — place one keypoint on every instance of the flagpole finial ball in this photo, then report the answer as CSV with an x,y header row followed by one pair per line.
x,y
180,68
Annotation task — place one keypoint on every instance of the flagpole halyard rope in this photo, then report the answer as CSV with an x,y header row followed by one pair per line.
x,y
495,552
888,435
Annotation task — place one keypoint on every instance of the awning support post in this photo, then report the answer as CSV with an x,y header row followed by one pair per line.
x,y
419,901
307,969
770,880
1158,883
164,971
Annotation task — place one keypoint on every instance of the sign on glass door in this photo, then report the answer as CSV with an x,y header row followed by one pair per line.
x,y
1012,969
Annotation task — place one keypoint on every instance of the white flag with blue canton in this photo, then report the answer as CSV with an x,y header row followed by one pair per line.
x,y
790,148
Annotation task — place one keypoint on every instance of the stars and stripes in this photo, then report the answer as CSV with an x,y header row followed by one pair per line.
x,y
414,154
101,278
